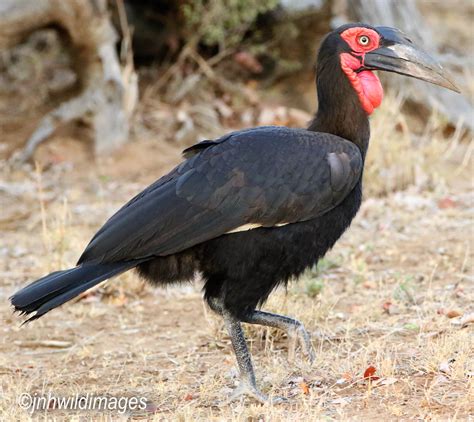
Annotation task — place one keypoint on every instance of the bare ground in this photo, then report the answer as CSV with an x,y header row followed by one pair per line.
x,y
396,293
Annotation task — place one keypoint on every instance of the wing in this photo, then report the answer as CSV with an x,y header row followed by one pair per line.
x,y
265,176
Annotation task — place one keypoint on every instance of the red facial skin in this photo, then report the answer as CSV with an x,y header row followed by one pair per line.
x,y
366,84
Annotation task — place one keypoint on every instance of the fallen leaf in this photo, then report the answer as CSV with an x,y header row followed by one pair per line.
x,y
369,373
453,313
447,202
304,388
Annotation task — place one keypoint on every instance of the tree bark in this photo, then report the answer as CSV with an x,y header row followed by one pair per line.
x,y
108,90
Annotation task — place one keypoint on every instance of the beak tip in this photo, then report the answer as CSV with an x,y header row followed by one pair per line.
x,y
456,89
452,86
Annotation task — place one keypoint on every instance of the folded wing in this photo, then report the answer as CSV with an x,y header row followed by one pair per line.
x,y
264,176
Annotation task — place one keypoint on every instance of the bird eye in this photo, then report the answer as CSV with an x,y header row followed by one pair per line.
x,y
364,40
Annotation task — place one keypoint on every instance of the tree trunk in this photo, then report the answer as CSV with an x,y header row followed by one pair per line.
x,y
108,90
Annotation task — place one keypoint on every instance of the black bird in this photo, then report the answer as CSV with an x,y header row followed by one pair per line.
x,y
256,207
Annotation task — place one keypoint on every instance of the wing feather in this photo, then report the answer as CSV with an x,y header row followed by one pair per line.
x,y
265,176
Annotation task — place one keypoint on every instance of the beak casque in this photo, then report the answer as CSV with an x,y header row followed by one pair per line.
x,y
398,54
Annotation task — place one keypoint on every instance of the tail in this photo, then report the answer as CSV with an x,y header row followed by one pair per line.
x,y
57,288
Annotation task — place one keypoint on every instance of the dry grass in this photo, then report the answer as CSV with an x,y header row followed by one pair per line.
x,y
429,154
379,298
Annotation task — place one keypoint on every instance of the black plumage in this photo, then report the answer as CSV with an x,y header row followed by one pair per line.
x,y
267,189
248,211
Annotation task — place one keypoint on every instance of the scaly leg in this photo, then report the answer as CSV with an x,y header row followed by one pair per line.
x,y
293,327
247,384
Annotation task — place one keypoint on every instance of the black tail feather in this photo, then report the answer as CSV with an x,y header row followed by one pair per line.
x,y
59,287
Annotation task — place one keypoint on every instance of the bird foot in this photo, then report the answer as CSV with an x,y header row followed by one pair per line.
x,y
300,335
245,389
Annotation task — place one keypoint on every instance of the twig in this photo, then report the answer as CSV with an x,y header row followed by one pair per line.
x,y
467,158
44,229
126,53
163,79
206,69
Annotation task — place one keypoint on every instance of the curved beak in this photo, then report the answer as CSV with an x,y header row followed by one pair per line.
x,y
398,54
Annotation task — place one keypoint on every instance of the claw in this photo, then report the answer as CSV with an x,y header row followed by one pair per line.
x,y
299,334
244,389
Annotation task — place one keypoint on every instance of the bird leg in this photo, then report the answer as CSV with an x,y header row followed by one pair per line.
x,y
294,329
248,385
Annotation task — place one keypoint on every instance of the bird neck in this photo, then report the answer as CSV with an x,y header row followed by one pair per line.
x,y
339,109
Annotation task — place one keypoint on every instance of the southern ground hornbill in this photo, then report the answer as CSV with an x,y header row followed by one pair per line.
x,y
254,208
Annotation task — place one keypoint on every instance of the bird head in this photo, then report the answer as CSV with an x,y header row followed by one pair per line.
x,y
363,48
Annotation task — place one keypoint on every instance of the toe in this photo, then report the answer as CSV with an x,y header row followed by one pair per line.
x,y
278,400
244,390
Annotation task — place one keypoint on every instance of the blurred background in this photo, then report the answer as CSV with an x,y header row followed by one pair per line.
x,y
92,76
98,99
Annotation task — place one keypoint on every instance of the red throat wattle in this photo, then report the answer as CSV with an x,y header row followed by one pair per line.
x,y
365,83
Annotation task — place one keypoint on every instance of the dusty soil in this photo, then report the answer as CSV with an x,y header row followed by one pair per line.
x,y
382,297
396,293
